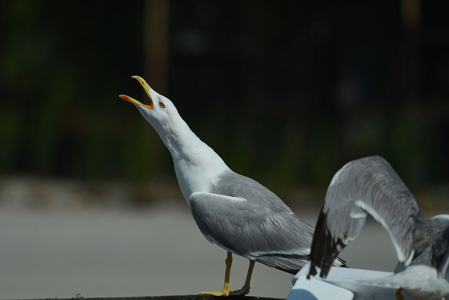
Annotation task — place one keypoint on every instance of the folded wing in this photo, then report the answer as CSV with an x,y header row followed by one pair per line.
x,y
276,238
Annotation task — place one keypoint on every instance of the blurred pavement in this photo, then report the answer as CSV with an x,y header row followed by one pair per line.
x,y
48,253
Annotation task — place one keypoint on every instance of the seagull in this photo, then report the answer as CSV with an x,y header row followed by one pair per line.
x,y
370,186
232,211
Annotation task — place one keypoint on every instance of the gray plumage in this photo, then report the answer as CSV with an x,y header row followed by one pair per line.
x,y
232,211
256,224
370,186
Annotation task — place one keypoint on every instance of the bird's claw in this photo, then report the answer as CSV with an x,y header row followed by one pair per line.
x,y
243,291
224,293
227,292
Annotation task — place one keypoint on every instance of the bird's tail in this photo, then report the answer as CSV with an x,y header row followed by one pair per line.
x,y
291,263
287,263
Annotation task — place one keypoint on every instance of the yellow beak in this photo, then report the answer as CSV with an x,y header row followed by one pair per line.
x,y
147,89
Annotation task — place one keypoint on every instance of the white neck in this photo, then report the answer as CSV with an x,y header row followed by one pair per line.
x,y
196,164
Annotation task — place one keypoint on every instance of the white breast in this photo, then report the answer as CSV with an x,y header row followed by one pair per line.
x,y
196,166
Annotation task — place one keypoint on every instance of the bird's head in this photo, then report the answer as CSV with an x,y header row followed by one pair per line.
x,y
161,113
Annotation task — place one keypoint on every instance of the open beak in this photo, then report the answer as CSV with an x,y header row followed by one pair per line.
x,y
147,89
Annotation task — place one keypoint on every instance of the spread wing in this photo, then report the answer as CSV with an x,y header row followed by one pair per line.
x,y
365,186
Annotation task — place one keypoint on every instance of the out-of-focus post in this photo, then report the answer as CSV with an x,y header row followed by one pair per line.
x,y
156,43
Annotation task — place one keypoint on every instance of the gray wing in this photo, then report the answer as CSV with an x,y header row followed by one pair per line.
x,y
235,185
365,186
276,238
439,246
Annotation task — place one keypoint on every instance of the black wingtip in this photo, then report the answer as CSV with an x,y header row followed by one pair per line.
x,y
312,270
325,248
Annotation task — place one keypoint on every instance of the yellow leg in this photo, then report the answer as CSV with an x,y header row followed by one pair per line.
x,y
245,289
399,294
226,289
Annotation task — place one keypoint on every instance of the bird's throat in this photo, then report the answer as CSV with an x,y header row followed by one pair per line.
x,y
196,164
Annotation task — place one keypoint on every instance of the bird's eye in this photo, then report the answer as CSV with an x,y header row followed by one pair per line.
x,y
161,105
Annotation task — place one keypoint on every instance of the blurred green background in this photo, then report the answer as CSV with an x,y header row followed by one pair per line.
x,y
285,91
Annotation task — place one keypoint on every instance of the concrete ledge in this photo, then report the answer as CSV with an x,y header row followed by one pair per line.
x,y
175,297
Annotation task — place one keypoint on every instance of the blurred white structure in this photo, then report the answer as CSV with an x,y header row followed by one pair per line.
x,y
342,284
